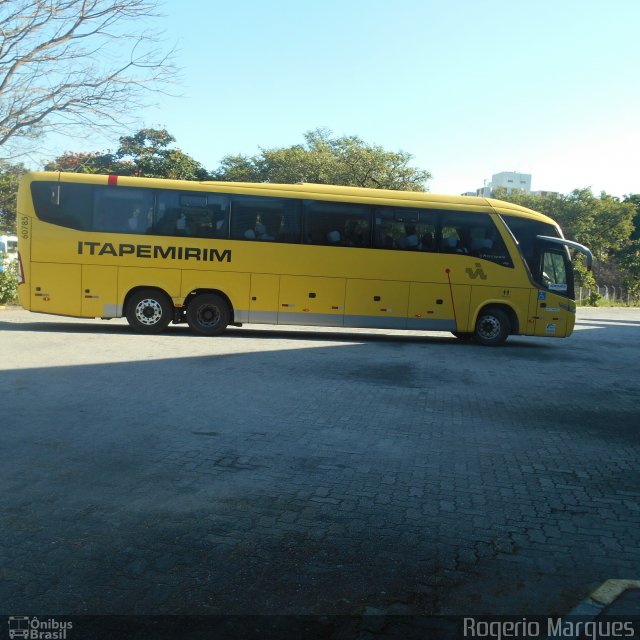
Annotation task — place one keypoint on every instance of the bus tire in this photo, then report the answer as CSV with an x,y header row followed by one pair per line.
x,y
149,311
492,327
208,314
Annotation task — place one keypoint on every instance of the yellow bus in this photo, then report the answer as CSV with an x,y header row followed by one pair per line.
x,y
213,254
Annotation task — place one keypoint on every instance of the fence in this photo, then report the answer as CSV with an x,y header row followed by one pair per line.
x,y
617,295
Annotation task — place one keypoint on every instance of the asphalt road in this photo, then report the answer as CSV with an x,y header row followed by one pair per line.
x,y
309,471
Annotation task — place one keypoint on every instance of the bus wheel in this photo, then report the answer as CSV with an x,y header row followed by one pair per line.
x,y
149,311
492,327
208,314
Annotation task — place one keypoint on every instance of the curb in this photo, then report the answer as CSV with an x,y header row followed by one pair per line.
x,y
596,603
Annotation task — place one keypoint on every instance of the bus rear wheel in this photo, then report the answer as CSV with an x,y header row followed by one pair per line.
x,y
208,314
149,311
492,327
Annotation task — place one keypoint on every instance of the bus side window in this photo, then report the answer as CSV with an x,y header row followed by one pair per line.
x,y
291,222
473,234
455,236
122,210
427,242
405,229
265,219
65,204
451,241
336,223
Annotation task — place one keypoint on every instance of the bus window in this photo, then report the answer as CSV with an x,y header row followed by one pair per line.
x,y
554,272
473,234
266,219
216,223
188,213
67,205
525,232
407,229
454,234
122,210
336,223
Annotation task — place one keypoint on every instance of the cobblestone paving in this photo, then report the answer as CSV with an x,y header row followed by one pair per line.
x,y
311,471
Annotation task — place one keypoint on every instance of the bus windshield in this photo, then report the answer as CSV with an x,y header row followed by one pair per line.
x,y
549,263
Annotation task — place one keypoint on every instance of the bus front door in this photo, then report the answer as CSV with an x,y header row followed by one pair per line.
x,y
547,316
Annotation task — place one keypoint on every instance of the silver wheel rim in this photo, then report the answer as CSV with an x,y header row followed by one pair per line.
x,y
148,312
489,327
208,316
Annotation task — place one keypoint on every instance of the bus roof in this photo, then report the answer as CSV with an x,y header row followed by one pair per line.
x,y
307,190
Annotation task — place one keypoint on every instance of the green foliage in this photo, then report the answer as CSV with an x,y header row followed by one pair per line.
x,y
603,224
148,154
145,154
628,255
9,178
635,201
346,160
9,283
583,277
593,299
629,259
91,162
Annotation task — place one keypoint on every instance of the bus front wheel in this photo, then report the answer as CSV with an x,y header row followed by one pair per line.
x,y
208,314
492,327
149,311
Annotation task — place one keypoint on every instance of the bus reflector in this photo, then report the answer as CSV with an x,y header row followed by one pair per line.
x,y
112,181
20,277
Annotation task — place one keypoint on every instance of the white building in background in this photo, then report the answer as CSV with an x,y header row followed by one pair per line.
x,y
511,181
8,250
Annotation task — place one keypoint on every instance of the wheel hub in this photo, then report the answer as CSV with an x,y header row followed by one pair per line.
x,y
208,316
148,312
489,328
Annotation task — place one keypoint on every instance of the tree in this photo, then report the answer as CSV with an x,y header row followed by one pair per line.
x,y
10,175
628,255
635,201
84,162
603,224
67,64
147,154
346,160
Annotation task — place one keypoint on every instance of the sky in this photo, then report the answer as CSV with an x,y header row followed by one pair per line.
x,y
468,87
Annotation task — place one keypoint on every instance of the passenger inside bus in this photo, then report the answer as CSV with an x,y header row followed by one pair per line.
x,y
410,240
426,242
261,232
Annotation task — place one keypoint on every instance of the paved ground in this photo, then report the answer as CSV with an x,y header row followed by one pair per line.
x,y
310,471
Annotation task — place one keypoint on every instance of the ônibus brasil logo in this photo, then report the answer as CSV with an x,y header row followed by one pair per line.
x,y
33,628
